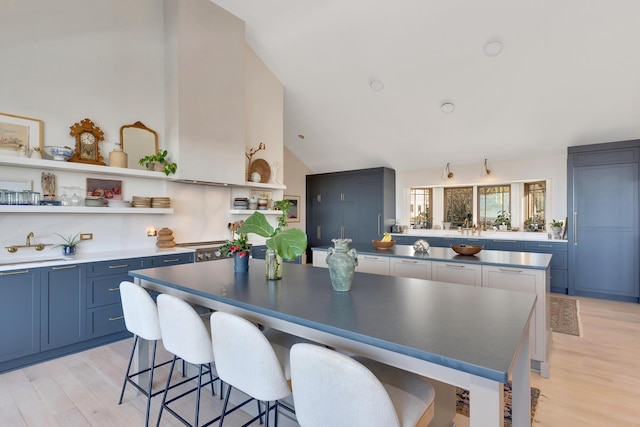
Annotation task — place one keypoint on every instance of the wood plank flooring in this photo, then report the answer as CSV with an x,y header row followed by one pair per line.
x,y
595,381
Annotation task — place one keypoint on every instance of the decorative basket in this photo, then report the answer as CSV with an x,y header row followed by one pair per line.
x,y
466,249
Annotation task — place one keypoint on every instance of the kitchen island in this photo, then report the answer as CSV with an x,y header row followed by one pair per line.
x,y
518,271
460,335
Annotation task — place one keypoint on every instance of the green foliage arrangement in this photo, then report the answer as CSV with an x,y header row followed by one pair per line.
x,y
159,157
69,240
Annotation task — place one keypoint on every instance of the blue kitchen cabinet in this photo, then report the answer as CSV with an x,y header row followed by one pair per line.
x,y
603,228
104,307
172,259
63,304
357,205
504,245
559,263
19,313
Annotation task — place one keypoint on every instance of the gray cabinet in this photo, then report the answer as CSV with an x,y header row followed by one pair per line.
x,y
63,305
259,252
173,259
19,313
358,205
603,229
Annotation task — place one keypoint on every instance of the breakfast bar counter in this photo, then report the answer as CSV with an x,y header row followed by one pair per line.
x,y
465,336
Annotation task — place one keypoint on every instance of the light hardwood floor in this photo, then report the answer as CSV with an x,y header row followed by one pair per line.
x,y
595,381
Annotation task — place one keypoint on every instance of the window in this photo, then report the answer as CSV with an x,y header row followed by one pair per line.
x,y
493,201
420,208
458,206
535,195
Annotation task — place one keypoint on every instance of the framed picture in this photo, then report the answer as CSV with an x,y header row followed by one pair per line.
x,y
294,210
262,194
108,189
20,130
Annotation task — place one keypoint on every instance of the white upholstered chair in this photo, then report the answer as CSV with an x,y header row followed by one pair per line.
x,y
251,361
141,319
185,334
332,389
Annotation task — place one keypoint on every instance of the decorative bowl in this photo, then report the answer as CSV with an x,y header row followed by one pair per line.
x,y
58,153
466,249
383,245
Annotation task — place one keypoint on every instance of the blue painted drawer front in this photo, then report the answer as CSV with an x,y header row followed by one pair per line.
x,y
105,320
504,245
105,290
114,267
558,250
405,240
559,281
173,259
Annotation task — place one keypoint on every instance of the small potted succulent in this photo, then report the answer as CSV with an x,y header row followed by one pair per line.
x,y
159,162
69,244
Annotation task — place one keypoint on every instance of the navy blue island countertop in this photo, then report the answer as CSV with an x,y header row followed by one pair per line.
x,y
537,261
471,329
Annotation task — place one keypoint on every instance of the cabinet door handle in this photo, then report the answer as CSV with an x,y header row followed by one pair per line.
x,y
166,261
11,273
319,198
510,270
379,224
342,197
408,261
111,319
114,289
319,232
544,246
456,265
575,228
370,257
342,231
65,267
119,266
505,241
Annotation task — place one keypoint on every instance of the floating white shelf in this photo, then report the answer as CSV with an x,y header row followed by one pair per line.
x,y
249,212
265,186
83,210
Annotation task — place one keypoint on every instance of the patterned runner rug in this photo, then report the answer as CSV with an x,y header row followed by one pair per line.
x,y
462,403
565,315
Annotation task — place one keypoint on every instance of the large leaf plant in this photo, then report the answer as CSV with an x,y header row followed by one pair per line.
x,y
289,244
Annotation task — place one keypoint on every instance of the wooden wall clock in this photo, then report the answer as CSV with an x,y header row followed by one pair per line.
x,y
87,137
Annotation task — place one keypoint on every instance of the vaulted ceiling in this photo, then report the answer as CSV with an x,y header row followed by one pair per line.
x,y
568,74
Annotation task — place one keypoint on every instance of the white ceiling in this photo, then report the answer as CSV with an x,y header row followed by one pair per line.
x,y
569,74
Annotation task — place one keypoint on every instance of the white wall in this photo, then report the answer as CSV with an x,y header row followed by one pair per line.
x,y
552,168
60,67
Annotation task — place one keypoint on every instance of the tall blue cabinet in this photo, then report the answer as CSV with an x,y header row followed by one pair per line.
x,y
358,205
603,226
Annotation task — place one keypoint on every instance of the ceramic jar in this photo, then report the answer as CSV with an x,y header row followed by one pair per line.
x,y
342,263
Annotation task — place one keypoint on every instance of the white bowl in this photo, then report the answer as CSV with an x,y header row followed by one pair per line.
x,y
58,153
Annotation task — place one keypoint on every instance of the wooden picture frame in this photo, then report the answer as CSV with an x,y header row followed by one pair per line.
x,y
27,130
294,211
108,189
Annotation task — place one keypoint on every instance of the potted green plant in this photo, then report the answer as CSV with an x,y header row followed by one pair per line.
x,y
159,162
503,221
69,245
282,244
239,249
556,228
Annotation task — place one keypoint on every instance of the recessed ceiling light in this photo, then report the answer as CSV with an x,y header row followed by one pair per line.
x,y
376,85
493,48
447,107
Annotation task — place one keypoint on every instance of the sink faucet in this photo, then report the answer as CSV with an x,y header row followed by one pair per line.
x,y
29,236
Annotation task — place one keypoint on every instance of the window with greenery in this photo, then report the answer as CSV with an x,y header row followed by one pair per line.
x,y
535,195
458,205
420,208
494,204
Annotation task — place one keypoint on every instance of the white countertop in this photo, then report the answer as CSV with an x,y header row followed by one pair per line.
x,y
54,256
497,235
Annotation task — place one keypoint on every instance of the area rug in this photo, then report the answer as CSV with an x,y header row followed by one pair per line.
x,y
565,315
462,402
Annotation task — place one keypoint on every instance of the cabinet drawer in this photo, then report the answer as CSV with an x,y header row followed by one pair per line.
x,y
405,240
559,257
105,320
173,259
415,268
504,245
544,247
258,252
558,279
464,274
116,266
105,290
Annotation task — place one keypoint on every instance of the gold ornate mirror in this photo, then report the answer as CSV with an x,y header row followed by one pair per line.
x,y
138,141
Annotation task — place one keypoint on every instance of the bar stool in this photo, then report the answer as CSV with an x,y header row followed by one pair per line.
x,y
332,389
186,335
141,319
253,362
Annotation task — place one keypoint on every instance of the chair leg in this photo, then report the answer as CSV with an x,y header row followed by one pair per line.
x,y
126,375
150,393
213,393
259,411
224,406
166,391
266,414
